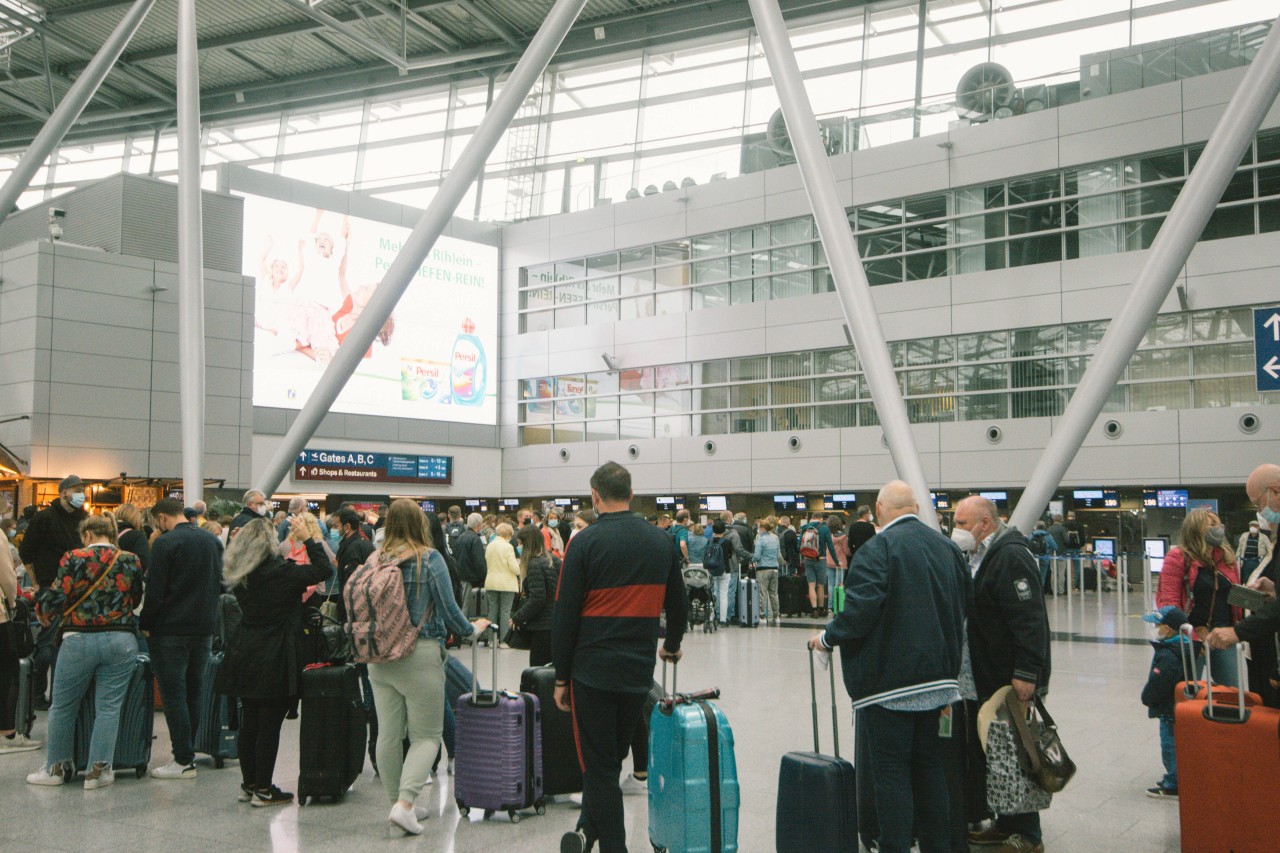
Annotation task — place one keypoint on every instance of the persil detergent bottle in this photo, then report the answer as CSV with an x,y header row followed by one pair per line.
x,y
470,368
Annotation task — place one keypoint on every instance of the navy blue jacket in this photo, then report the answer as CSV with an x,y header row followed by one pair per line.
x,y
184,583
1162,680
902,628
1009,628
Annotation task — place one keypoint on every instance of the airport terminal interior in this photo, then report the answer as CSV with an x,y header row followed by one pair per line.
x,y
767,254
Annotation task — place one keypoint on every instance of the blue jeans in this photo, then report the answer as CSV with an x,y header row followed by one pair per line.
x,y
1168,754
835,578
909,779
730,611
1223,665
179,663
106,660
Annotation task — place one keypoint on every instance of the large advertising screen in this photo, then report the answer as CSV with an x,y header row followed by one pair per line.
x,y
435,358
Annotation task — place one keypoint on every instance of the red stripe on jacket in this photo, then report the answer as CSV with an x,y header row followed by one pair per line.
x,y
642,601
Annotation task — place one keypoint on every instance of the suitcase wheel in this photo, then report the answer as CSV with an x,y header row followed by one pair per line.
x,y
219,762
488,813
657,848
140,771
540,808
514,815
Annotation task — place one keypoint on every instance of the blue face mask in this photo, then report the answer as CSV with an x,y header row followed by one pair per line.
x,y
77,499
553,523
1269,515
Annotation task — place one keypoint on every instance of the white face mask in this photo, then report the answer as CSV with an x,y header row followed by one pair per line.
x,y
965,540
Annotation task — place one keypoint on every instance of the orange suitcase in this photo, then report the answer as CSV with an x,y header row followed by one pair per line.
x,y
1228,755
1189,689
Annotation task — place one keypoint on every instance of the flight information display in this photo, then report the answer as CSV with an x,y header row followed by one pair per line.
x,y
1164,498
1096,498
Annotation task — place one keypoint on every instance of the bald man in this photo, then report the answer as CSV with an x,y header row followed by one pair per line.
x,y
1260,627
1008,636
901,633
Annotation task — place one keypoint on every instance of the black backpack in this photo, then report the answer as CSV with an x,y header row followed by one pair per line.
x,y
713,561
1073,538
452,535
1039,543
24,643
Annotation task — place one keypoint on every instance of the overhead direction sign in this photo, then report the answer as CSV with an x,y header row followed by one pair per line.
x,y
373,467
1266,348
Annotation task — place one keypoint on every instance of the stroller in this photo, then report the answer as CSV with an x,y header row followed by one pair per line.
x,y
702,602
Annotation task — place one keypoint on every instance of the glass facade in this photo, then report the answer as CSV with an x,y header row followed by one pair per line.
x,y
1199,359
600,129
1084,211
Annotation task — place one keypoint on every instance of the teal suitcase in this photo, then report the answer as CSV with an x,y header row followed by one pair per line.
x,y
693,776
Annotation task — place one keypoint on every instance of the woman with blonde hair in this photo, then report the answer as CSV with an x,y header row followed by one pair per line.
x,y
96,591
1196,577
409,693
502,580
295,547
133,536
263,664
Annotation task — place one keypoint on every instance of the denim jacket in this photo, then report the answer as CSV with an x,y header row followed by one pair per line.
x,y
431,586
766,556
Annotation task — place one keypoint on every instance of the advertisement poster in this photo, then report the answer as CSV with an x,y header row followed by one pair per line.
x,y
435,358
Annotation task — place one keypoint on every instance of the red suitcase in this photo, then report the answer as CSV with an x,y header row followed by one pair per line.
x,y
1227,755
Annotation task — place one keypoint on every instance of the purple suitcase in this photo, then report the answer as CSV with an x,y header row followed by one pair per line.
x,y
498,748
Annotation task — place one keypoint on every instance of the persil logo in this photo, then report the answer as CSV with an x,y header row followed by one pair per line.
x,y
459,355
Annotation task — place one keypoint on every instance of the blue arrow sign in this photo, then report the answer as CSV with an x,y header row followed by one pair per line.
x,y
1266,347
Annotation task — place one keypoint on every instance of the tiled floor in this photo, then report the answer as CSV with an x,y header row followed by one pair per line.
x,y
762,673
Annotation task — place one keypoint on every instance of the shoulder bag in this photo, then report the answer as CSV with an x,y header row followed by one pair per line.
x,y
1042,754
98,582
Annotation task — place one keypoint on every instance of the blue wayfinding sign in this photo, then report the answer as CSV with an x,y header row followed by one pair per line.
x,y
1266,347
373,467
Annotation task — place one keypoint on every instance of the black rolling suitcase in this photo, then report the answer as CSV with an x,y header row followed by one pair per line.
x,y
793,595
332,738
816,792
137,719
217,731
561,773
748,602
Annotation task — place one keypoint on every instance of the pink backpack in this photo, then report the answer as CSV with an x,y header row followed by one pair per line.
x,y
378,622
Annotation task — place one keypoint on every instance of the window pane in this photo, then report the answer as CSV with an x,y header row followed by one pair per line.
x,y
1222,393
835,361
789,364
1160,364
707,372
1148,396
749,368
1229,222
1224,358
983,407
834,417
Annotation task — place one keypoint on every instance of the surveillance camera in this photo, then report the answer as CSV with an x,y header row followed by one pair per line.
x,y
57,213
609,361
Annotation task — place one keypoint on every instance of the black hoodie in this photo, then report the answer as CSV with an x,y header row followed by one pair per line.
x,y
1009,627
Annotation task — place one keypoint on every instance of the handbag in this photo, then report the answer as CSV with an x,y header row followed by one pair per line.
x,y
98,582
1042,754
1010,788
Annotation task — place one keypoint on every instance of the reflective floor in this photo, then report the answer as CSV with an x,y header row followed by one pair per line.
x,y
1099,665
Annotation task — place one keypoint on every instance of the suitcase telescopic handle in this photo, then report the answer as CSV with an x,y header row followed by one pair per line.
x,y
1184,654
475,666
664,679
813,692
1241,713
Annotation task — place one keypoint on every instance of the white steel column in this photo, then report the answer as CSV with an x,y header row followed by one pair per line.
x,y
842,252
190,259
1168,254
68,112
424,235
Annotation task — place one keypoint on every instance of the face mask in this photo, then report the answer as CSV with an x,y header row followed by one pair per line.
x,y
13,533
553,523
964,539
77,499
1270,516
1253,530
519,549
1216,535
262,510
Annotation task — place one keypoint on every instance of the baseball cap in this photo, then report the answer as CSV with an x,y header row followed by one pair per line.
x,y
1167,615
71,481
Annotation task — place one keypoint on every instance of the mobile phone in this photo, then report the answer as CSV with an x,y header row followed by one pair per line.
x,y
1249,599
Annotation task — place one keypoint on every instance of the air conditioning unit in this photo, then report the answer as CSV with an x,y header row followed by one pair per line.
x,y
986,91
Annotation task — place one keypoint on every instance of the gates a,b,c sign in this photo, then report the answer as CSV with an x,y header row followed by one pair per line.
x,y
1266,347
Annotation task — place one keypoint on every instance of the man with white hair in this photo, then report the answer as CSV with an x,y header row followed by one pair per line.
x,y
901,634
298,506
255,506
468,553
1008,639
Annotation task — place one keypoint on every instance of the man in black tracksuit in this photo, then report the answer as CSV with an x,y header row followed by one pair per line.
x,y
616,581
1008,635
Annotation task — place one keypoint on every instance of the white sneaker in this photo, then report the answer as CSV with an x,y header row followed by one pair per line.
x,y
421,812
47,776
19,743
174,770
632,785
405,819
99,776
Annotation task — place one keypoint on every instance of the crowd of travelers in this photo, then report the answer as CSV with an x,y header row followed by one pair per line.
x,y
931,627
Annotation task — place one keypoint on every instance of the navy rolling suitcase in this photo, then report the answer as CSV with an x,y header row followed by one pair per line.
x,y
498,766
217,734
137,719
561,773
332,732
817,793
748,609
25,710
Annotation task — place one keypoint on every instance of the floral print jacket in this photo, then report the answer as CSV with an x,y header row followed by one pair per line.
x,y
109,607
